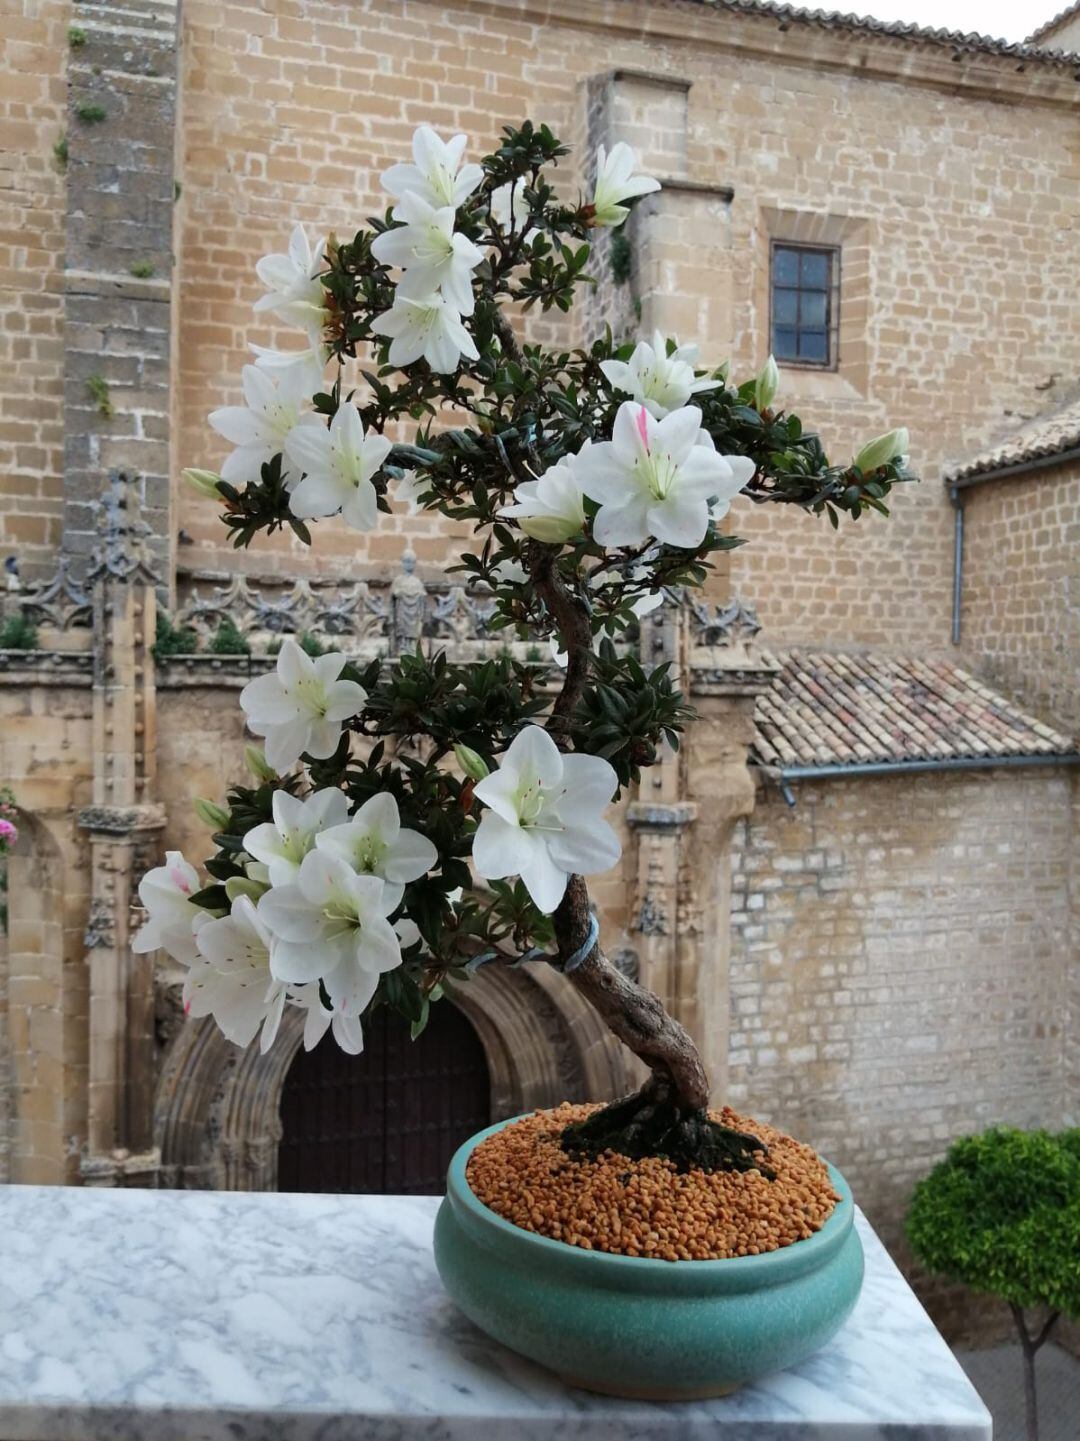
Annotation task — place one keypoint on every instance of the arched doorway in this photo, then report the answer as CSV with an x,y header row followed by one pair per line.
x,y
389,1120
218,1111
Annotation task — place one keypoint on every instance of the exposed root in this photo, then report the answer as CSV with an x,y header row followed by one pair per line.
x,y
651,1123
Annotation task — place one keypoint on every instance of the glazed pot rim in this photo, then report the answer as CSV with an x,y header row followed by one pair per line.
x,y
736,1272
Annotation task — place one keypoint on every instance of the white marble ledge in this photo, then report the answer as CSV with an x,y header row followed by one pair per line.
x,y
222,1316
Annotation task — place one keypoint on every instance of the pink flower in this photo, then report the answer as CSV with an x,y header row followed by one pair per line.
x,y
8,833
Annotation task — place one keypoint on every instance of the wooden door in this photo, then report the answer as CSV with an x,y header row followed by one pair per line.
x,y
388,1120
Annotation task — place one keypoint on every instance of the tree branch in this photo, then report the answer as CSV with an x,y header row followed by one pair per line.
x,y
636,1016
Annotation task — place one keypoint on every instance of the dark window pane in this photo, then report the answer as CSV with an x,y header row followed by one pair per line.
x,y
812,310
786,307
785,266
785,343
815,268
803,304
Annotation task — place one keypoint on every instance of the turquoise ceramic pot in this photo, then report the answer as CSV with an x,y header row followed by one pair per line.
x,y
656,1330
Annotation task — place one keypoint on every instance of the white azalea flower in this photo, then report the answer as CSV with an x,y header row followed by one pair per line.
x,y
509,572
280,845
338,463
307,366
260,427
742,471
659,381
509,208
300,707
425,326
551,509
346,1030
374,843
618,178
231,980
544,821
409,488
171,918
331,926
294,290
653,479
437,175
429,252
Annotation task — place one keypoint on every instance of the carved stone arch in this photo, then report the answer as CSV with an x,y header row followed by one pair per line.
x,y
217,1119
544,1043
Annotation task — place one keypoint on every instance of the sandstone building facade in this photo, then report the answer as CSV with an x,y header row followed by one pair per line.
x,y
887,962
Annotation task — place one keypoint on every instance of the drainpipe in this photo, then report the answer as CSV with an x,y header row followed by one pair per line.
x,y
958,560
838,771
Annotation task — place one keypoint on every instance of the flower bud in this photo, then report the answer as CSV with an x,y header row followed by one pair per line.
x,y
472,764
204,481
767,384
882,449
211,814
258,765
551,529
242,886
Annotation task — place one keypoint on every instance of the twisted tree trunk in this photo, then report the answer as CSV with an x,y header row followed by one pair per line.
x,y
668,1116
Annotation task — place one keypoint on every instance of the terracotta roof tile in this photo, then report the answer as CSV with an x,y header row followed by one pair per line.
x,y
954,40
1045,31
841,708
1044,435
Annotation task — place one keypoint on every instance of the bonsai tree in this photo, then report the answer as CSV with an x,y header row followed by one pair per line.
x,y
415,819
1001,1213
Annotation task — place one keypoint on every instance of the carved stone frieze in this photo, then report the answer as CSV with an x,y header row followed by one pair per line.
x,y
100,925
121,820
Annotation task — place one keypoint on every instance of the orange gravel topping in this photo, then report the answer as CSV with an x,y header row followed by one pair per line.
x,y
648,1208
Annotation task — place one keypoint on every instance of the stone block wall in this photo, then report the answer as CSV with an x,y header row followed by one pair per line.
x,y
901,959
33,120
959,208
1020,613
1072,1014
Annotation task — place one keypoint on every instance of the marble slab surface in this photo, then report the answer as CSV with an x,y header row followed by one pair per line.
x,y
221,1316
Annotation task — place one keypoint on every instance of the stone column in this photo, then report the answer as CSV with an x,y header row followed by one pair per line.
x,y
124,827
118,525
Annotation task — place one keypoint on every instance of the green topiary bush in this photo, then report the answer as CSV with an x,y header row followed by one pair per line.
x,y
310,644
1001,1213
172,640
228,640
17,633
